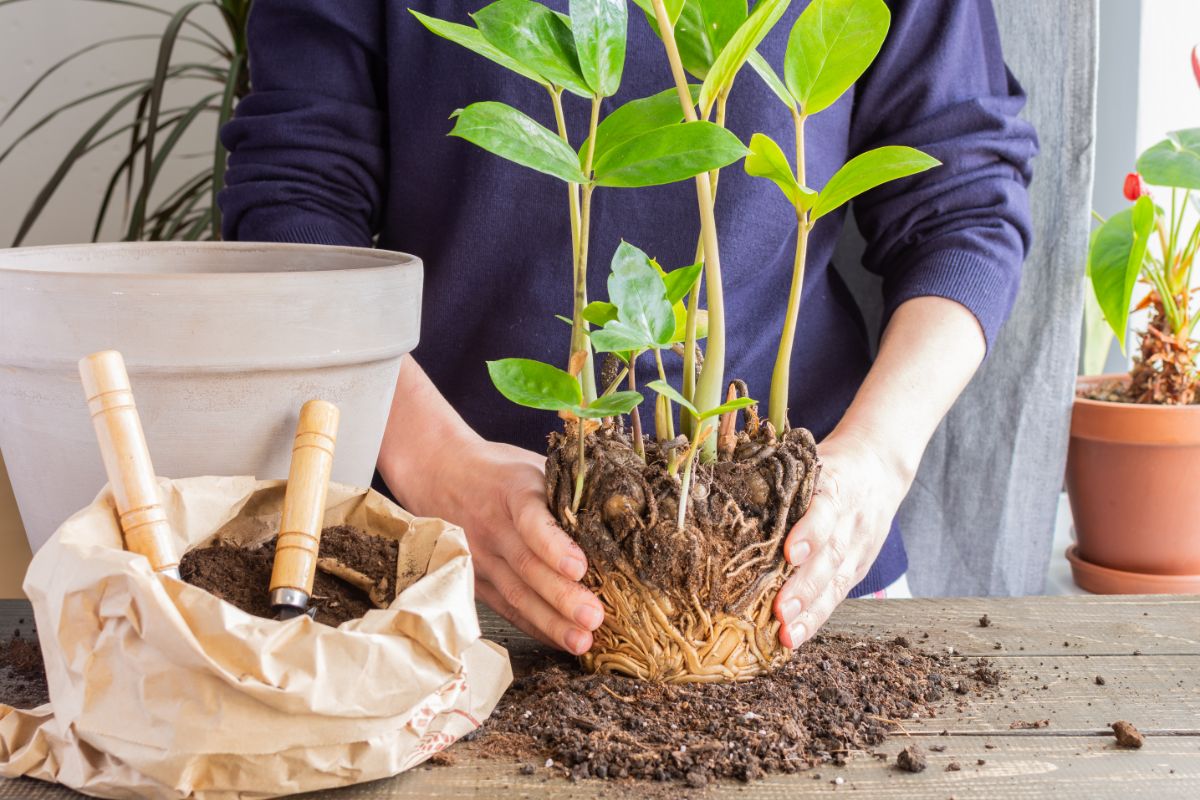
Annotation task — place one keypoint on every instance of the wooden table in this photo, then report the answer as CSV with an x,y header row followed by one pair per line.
x,y
1147,649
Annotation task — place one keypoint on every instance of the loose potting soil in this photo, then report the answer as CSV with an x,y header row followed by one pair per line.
x,y
22,674
356,572
837,695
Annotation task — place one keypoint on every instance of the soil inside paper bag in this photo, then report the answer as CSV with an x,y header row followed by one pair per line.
x,y
242,575
22,674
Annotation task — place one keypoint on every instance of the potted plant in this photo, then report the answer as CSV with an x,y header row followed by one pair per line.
x,y
683,530
1134,459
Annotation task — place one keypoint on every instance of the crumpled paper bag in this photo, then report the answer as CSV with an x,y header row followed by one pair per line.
x,y
160,690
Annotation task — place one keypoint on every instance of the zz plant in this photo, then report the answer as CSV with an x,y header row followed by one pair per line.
x,y
683,532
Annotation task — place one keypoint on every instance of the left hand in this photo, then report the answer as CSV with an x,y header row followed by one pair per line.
x,y
836,541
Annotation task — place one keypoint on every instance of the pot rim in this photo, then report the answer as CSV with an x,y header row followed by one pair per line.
x,y
1083,381
388,260
1139,424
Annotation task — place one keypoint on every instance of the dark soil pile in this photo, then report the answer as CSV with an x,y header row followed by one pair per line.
x,y
355,573
22,674
837,695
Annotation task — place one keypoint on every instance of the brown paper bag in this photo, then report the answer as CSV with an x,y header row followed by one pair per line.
x,y
160,690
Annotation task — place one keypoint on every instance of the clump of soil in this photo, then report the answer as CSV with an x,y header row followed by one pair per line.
x,y
836,696
355,573
1127,735
690,604
22,673
912,759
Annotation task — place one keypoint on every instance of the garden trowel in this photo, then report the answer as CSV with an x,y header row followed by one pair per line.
x,y
303,509
127,460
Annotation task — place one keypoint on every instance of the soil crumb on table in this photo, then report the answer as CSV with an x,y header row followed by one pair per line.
x,y
912,759
837,696
242,576
22,674
1127,735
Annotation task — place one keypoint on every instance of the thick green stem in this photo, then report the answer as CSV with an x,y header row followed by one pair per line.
x,y
712,374
781,375
582,471
685,487
669,415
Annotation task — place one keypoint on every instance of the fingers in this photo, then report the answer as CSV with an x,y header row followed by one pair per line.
x,y
567,597
818,523
518,602
490,595
542,536
810,620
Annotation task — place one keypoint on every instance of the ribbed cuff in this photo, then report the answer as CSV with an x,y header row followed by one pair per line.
x,y
986,288
276,223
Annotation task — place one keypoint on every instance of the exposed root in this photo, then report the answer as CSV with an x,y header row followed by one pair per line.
x,y
691,603
1165,372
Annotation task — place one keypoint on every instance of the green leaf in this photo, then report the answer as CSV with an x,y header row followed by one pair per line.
x,y
220,154
1175,161
536,37
610,405
474,40
1115,260
510,134
599,27
864,172
674,9
743,42
640,295
599,313
668,391
771,79
680,281
703,29
669,154
535,385
732,405
830,47
618,337
767,160
635,118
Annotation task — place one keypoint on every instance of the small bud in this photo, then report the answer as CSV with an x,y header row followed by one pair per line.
x,y
1135,187
1196,63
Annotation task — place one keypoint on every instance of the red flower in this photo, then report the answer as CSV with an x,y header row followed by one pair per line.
x,y
1135,187
1196,63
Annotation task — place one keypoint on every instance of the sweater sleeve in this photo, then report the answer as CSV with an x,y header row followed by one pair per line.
x,y
306,147
961,230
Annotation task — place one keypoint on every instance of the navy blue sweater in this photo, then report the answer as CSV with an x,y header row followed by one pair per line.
x,y
343,140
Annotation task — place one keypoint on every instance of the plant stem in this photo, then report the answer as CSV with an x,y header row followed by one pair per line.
x,y
712,374
612,387
635,417
781,375
582,471
687,422
685,487
669,433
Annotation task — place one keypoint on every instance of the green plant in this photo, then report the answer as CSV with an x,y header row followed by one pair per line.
x,y
142,113
674,135
1146,243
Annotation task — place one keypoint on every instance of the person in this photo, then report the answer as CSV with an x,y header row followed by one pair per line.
x,y
342,141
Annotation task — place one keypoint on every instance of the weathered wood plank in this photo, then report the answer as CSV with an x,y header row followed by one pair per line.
x,y
1016,768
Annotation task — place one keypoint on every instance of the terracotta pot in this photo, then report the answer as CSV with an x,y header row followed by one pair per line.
x,y
1133,478
223,342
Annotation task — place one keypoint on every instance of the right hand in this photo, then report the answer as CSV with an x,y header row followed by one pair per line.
x,y
526,568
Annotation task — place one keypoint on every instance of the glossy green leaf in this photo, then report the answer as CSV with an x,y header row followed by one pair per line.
x,y
743,42
640,295
771,78
599,27
510,134
668,391
474,40
680,281
635,118
680,334
1175,161
1115,261
610,405
536,37
618,337
674,9
864,172
599,312
669,154
767,160
703,29
830,47
732,405
535,385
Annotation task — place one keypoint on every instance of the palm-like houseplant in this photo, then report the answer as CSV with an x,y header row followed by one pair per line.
x,y
146,113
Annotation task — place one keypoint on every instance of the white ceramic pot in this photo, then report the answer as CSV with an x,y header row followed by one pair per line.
x,y
223,342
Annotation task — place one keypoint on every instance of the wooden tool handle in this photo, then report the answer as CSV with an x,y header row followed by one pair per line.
x,y
304,500
127,459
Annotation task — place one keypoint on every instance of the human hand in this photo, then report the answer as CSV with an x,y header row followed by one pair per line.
x,y
834,544
526,568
